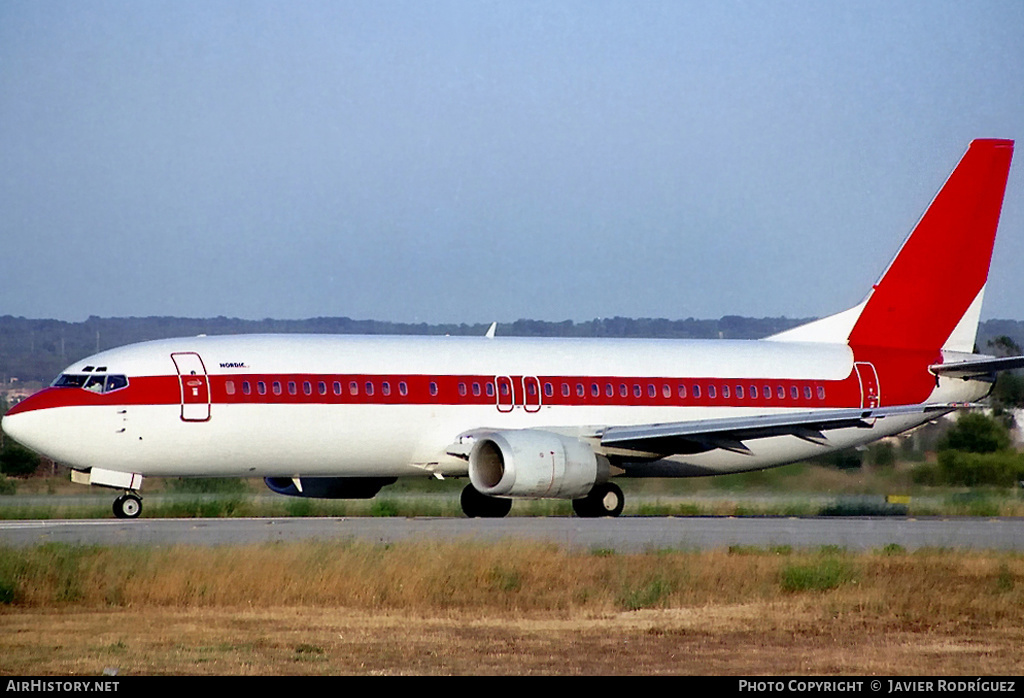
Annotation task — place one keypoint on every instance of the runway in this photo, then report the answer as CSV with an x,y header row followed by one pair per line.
x,y
625,534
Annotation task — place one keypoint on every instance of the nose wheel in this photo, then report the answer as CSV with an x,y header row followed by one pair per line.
x,y
128,506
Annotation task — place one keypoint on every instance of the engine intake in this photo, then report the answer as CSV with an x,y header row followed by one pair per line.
x,y
534,463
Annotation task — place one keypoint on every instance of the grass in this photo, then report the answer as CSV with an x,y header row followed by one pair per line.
x,y
818,575
506,608
498,578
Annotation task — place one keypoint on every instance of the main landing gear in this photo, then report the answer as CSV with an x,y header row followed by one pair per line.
x,y
605,499
476,505
128,506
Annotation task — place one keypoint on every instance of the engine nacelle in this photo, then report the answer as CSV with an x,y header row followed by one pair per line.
x,y
533,463
329,487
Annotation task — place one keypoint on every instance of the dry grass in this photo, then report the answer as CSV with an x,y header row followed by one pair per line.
x,y
510,609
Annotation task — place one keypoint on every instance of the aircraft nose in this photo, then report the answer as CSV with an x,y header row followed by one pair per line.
x,y
11,426
26,423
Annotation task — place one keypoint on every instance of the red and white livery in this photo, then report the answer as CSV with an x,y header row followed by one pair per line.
x,y
343,416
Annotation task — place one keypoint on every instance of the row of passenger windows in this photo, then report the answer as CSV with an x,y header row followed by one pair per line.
x,y
476,388
727,391
292,387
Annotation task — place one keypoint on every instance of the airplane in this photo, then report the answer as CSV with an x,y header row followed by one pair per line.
x,y
344,416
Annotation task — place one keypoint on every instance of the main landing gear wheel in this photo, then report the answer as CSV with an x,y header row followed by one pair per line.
x,y
128,506
476,505
604,500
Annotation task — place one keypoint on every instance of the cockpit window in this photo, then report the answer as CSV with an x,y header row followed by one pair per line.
x,y
115,382
69,380
97,383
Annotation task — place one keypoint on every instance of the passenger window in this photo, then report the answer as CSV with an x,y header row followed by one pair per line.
x,y
229,387
565,390
696,392
261,387
403,389
476,389
322,387
807,392
712,392
385,388
821,392
369,388
337,387
739,392
353,388
794,392
682,391
433,388
462,389
580,390
246,389
490,389
666,391
549,390
725,392
637,392
781,392
594,390
753,392
277,387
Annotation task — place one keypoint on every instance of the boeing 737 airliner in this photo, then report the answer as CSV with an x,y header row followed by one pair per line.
x,y
344,416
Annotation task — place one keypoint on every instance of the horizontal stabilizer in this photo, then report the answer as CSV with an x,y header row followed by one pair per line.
x,y
977,368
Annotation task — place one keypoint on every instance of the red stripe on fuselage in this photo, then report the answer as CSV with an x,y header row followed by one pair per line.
x,y
620,391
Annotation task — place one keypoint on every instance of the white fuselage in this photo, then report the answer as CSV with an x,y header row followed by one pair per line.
x,y
351,406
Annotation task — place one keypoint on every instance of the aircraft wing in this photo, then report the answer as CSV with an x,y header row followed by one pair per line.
x,y
729,433
977,368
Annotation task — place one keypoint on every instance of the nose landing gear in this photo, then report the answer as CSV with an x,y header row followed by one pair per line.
x,y
128,506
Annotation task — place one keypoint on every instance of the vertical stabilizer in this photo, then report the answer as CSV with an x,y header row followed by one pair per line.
x,y
929,298
940,272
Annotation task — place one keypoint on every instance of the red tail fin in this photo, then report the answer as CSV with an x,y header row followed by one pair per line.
x,y
940,272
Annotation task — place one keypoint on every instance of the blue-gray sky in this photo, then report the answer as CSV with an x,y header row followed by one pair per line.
x,y
477,161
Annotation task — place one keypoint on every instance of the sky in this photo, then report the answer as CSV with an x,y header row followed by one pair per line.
x,y
470,161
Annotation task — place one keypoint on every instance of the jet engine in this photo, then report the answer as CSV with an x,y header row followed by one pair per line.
x,y
534,463
329,487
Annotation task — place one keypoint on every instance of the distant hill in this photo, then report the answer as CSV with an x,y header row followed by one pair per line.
x,y
37,350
